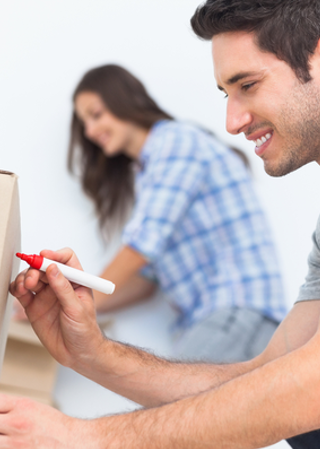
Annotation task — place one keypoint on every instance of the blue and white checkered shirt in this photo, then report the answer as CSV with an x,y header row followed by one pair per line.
x,y
198,222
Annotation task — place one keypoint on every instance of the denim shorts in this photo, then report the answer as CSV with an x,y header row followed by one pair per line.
x,y
226,336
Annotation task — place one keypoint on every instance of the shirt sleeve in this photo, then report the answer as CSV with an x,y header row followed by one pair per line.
x,y
169,184
311,288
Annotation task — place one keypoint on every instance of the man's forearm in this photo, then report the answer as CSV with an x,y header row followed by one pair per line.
x,y
259,408
153,381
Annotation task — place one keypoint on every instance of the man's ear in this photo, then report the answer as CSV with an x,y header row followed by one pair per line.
x,y
314,62
318,47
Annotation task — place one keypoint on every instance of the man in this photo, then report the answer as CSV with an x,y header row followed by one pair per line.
x,y
266,57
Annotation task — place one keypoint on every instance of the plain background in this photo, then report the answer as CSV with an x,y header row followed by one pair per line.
x,y
45,47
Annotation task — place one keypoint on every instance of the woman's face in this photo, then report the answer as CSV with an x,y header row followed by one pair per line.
x,y
111,134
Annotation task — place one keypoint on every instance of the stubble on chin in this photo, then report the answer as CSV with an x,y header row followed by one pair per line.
x,y
288,164
300,129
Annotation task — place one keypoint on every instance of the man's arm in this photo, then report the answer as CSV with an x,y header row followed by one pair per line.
x,y
275,396
271,403
64,319
153,381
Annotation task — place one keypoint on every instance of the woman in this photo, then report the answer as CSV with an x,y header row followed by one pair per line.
x,y
192,223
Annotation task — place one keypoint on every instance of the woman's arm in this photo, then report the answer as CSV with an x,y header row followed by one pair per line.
x,y
130,287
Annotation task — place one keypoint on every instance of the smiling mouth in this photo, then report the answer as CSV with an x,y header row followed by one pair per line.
x,y
103,139
259,142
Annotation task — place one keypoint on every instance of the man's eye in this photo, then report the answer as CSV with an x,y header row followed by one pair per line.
x,y
246,87
226,96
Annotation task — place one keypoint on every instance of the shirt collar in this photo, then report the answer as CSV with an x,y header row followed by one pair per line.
x,y
146,150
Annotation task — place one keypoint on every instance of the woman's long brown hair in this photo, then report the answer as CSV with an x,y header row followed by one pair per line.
x,y
109,181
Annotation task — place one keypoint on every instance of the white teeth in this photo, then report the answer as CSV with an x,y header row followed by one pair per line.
x,y
262,140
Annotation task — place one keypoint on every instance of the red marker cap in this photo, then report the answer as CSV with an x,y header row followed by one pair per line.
x,y
33,260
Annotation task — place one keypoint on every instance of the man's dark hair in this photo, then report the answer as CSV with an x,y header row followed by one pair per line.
x,y
290,29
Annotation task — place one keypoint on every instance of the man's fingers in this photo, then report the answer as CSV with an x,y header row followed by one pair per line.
x,y
19,314
65,256
62,288
28,281
33,280
34,283
18,283
18,289
7,403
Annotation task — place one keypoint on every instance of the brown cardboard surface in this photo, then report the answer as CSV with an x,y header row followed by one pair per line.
x,y
36,395
9,244
22,331
28,366
28,369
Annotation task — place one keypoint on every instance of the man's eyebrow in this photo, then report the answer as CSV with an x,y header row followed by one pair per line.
x,y
239,76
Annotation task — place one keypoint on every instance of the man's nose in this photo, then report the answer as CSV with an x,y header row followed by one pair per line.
x,y
238,117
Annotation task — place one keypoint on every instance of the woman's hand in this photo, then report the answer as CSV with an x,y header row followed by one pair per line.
x,y
62,315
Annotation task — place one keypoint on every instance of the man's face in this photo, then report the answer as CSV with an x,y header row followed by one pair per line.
x,y
268,103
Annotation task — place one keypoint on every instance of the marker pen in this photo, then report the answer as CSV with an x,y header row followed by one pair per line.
x,y
72,274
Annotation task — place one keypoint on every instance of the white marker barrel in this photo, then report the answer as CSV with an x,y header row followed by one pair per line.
x,y
80,277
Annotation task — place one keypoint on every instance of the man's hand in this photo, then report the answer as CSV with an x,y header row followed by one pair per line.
x,y
62,315
31,425
19,313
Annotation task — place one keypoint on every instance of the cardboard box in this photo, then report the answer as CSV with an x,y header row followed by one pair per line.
x,y
27,367
9,244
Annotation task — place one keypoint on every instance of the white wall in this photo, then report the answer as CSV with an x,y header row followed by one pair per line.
x,y
45,47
